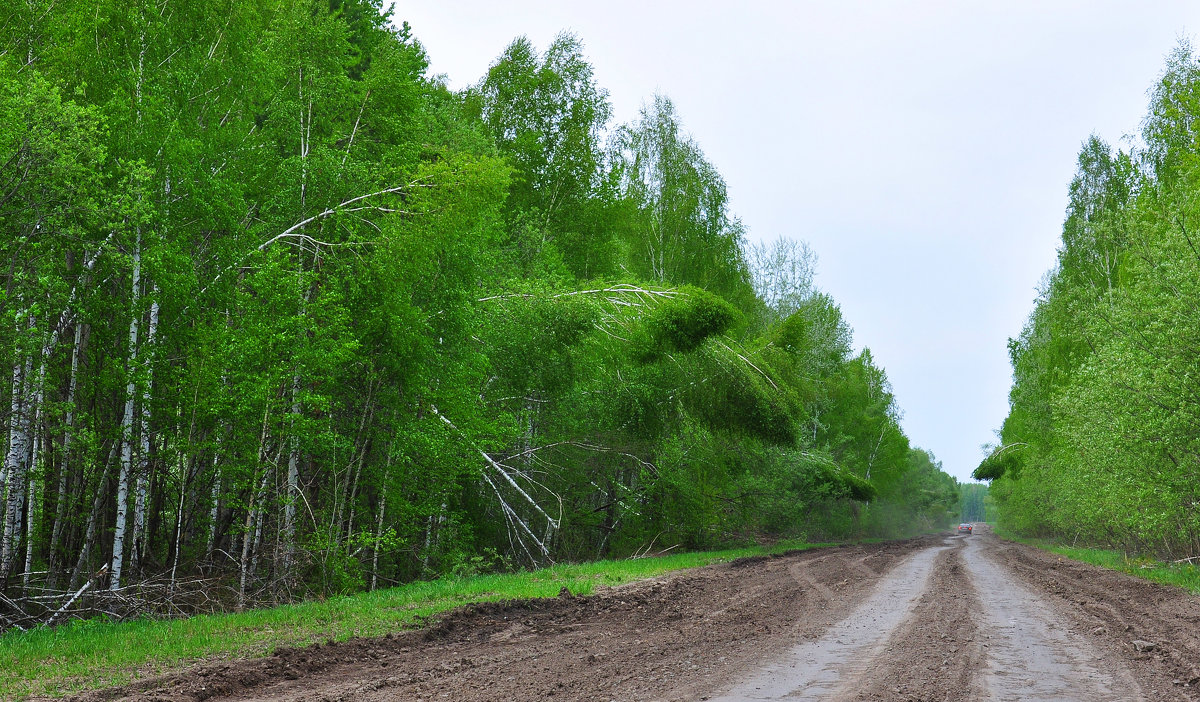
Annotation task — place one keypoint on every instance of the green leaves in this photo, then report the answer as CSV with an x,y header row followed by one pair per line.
x,y
681,323
1100,443
547,116
681,230
397,327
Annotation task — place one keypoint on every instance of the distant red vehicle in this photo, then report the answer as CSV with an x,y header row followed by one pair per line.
x,y
964,529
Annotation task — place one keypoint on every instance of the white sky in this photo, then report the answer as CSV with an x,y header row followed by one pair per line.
x,y
923,149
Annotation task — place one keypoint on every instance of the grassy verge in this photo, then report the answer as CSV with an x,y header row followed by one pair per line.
x,y
1184,575
88,655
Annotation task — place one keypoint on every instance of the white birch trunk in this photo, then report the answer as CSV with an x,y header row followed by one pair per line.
x,y
64,468
33,418
14,425
30,503
89,537
362,442
16,464
214,506
247,528
258,525
378,538
143,467
118,553
16,460
293,485
252,537
247,539
387,474
179,516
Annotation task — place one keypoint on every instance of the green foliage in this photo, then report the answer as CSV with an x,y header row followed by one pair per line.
x,y
1178,574
547,116
1100,444
680,229
683,322
975,504
400,331
1002,459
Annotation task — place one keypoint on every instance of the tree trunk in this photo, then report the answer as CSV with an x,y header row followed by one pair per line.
x,y
61,497
118,552
293,487
387,473
16,466
247,539
183,485
361,444
89,537
213,509
139,536
247,528
30,510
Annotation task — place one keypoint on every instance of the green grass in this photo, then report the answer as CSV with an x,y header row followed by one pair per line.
x,y
88,655
1184,575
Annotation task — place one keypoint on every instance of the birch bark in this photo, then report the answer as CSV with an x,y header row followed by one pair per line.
x,y
89,537
30,502
213,510
293,485
143,468
62,497
16,463
118,552
387,474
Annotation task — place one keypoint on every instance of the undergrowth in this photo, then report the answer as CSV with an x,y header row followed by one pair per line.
x,y
100,653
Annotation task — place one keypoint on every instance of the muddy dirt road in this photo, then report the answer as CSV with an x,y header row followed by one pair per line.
x,y
937,618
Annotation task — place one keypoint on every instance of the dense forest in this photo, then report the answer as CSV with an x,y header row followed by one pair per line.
x,y
285,313
1102,444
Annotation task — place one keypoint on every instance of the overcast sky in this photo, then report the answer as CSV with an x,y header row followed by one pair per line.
x,y
923,149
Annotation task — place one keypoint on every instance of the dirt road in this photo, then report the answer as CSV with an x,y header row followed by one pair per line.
x,y
936,618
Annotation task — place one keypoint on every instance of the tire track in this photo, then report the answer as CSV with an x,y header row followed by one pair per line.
x,y
948,624
833,666
935,652
943,618
676,637
1033,652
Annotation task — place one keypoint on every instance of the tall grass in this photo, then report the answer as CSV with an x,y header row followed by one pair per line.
x,y
97,653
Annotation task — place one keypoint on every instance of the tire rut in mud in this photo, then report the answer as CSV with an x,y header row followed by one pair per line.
x,y
1116,610
934,654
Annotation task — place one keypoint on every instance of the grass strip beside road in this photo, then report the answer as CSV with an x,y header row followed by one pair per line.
x,y
94,654
1184,575
1179,574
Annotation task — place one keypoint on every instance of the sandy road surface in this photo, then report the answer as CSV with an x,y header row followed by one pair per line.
x,y
937,618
